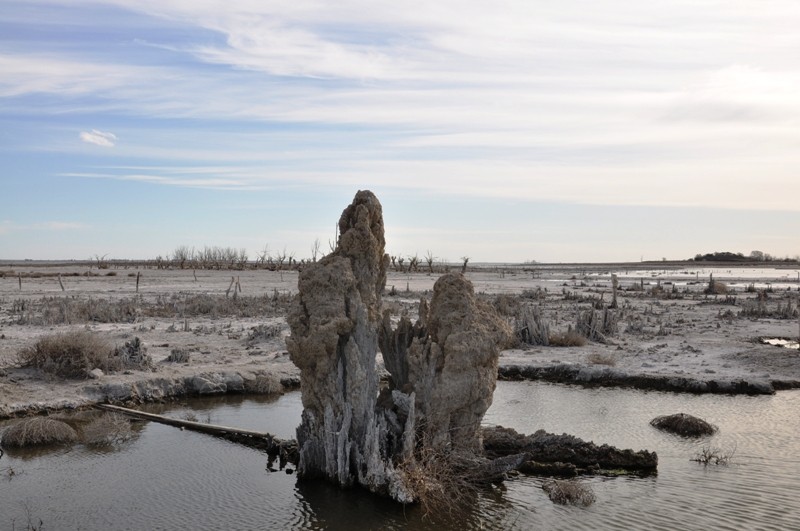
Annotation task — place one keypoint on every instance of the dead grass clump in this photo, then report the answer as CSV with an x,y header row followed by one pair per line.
x,y
131,355
599,358
68,355
179,355
442,483
68,310
714,287
264,384
569,492
107,430
570,338
263,332
683,424
37,431
74,354
506,305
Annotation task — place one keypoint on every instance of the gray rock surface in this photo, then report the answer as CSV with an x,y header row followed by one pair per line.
x,y
443,369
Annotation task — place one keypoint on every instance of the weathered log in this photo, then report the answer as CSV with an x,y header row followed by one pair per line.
x,y
286,450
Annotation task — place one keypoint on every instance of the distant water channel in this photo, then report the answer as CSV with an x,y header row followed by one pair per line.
x,y
165,478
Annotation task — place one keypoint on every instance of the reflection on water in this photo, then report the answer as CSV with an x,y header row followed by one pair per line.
x,y
167,478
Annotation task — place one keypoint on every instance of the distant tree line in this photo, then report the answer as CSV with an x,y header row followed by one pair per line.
x,y
754,256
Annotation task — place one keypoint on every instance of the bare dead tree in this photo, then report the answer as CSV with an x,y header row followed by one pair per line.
x,y
429,259
315,250
413,263
465,260
242,258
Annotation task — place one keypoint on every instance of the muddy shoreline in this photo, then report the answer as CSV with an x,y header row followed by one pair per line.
x,y
670,336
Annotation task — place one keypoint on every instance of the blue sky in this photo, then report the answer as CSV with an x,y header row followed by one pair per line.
x,y
504,131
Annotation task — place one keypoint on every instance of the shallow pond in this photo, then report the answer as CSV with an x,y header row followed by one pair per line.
x,y
165,478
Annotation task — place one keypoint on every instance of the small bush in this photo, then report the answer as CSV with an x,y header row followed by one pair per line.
x,y
506,305
569,492
570,338
38,431
263,332
178,355
132,355
598,358
68,355
683,424
74,354
264,384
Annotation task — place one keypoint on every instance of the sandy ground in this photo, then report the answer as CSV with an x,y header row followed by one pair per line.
x,y
666,326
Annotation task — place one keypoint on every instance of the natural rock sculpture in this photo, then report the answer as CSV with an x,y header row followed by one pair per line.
x,y
449,360
443,369
420,438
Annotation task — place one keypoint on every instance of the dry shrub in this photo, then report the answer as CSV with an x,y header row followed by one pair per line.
x,y
506,305
179,355
598,358
68,310
263,332
131,355
442,483
570,338
73,354
264,384
37,431
710,455
69,355
715,287
683,424
569,492
107,430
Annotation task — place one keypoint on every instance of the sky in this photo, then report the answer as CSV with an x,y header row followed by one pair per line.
x,y
506,131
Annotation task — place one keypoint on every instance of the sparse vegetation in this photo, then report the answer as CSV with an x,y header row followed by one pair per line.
x,y
710,455
264,384
38,431
74,354
530,327
599,358
179,355
570,338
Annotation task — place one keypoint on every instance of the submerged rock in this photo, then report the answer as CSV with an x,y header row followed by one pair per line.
x,y
683,424
543,447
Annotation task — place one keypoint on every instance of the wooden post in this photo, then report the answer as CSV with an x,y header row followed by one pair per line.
x,y
19,277
60,283
227,291
194,272
138,274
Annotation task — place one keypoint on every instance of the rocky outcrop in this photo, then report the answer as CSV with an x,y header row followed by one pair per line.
x,y
334,341
543,447
448,359
443,368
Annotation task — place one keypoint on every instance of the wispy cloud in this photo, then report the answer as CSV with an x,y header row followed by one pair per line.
x,y
99,138
677,103
8,227
61,225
